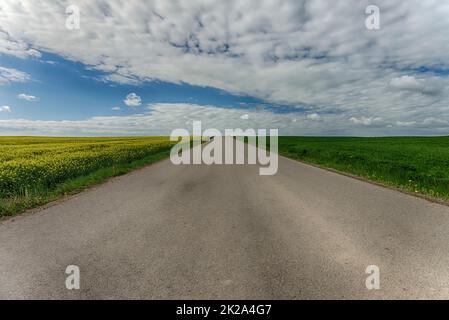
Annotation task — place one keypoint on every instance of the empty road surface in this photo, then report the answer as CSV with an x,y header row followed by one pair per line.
x,y
225,232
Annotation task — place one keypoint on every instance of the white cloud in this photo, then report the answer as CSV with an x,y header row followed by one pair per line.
x,y
296,52
116,108
410,83
406,83
161,119
366,121
405,124
314,116
8,75
17,48
5,109
133,100
245,117
435,122
27,97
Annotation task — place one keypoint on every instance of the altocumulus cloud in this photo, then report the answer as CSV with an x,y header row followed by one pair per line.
x,y
8,75
295,52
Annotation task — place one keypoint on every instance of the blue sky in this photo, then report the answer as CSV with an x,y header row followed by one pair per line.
x,y
68,90
303,67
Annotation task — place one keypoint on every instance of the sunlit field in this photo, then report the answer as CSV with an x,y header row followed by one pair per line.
x,y
416,164
35,170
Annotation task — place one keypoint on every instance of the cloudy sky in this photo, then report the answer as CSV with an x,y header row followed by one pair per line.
x,y
144,67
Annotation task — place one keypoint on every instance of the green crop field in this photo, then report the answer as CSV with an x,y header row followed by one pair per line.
x,y
416,164
36,170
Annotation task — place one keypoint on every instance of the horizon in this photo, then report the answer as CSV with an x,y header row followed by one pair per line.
x,y
164,136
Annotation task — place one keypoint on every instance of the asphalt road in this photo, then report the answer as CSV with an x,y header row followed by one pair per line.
x,y
225,232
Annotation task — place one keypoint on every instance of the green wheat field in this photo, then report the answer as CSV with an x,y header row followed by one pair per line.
x,y
416,164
